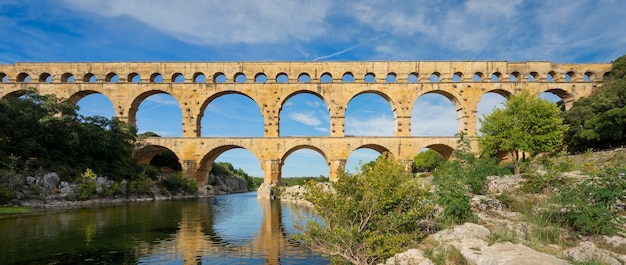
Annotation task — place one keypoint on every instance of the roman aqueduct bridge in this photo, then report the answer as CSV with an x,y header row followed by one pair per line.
x,y
271,84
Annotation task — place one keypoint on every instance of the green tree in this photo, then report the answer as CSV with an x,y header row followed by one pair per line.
x,y
599,122
368,216
526,124
427,161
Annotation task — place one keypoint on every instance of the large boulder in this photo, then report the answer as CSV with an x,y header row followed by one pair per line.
x,y
410,257
223,184
509,253
587,251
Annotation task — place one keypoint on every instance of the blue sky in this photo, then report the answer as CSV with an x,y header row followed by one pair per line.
x,y
306,30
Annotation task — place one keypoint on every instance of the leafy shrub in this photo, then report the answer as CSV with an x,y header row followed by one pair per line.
x,y
427,161
590,207
176,183
87,187
369,216
6,195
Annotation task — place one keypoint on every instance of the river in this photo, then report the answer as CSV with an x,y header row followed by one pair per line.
x,y
226,229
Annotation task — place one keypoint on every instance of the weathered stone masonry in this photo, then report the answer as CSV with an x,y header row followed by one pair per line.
x,y
271,84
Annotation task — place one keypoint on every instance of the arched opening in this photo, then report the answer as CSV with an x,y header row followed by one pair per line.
x,y
260,78
326,78
89,78
570,76
304,114
495,77
369,114
477,77
240,78
158,112
67,78
304,161
514,76
282,78
156,78
233,160
362,156
457,77
91,103
231,114
560,97
606,75
304,78
434,77
45,78
412,78
164,160
588,76
430,157
199,77
178,78
219,78
23,78
347,77
550,76
3,78
391,78
369,78
488,103
434,115
532,76
134,78
111,77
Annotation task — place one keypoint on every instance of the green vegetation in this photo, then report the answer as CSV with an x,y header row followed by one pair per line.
x,y
45,133
227,169
457,179
294,181
599,121
427,161
369,216
526,124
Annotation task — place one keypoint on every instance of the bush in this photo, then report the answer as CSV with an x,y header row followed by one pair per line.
x,y
87,187
427,161
369,216
590,207
6,195
176,183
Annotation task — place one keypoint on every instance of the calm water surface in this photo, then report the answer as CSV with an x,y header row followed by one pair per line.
x,y
227,229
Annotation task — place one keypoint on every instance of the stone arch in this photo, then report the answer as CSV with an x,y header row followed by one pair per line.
x,y
219,77
457,77
589,76
300,147
435,77
532,76
3,77
443,149
178,78
347,77
381,94
23,77
304,78
89,78
456,102
74,98
146,153
133,78
496,77
514,76
134,105
260,78
551,77
413,77
16,93
156,78
45,77
391,77
199,77
502,92
376,147
111,77
206,163
240,77
208,101
301,92
452,107
564,95
326,78
369,78
570,76
282,77
478,77
69,78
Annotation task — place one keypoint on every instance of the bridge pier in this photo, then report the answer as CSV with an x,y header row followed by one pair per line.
x,y
336,166
271,169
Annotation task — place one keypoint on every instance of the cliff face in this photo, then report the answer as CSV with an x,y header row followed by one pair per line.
x,y
222,184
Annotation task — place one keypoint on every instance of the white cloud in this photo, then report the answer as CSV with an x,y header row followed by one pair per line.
x,y
305,118
214,21
433,115
377,126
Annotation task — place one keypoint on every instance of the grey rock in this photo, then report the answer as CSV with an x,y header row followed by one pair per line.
x,y
49,183
587,251
410,257
509,253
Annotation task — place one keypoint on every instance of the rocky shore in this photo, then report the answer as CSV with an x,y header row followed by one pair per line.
x,y
48,191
